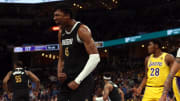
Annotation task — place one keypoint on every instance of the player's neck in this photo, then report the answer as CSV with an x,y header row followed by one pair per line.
x,y
157,53
70,24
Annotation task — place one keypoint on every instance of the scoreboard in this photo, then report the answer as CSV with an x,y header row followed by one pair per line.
x,y
49,47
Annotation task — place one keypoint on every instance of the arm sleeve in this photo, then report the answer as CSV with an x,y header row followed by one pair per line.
x,y
91,64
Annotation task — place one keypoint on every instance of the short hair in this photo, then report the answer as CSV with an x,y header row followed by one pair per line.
x,y
18,63
157,42
66,9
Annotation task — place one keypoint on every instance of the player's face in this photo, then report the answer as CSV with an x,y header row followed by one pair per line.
x,y
59,17
151,47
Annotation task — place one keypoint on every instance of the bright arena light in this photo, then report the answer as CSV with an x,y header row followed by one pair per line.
x,y
55,28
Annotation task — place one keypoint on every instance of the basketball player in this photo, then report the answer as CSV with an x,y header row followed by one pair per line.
x,y
157,67
78,57
173,77
111,91
19,78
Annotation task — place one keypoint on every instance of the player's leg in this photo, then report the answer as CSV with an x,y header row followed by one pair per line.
x,y
21,95
62,97
148,94
150,99
64,93
16,98
84,92
176,88
26,97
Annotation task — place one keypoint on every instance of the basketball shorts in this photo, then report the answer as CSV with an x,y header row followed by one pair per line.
x,y
83,93
152,93
21,95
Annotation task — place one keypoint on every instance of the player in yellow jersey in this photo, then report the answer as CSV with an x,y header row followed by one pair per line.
x,y
175,76
156,71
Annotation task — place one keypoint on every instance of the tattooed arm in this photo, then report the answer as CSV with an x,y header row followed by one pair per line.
x,y
174,69
170,62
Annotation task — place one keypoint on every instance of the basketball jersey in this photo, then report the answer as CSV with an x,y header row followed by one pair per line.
x,y
19,79
114,94
74,52
178,74
158,70
178,56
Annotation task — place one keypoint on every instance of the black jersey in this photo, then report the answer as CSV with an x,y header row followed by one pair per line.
x,y
74,52
19,79
114,94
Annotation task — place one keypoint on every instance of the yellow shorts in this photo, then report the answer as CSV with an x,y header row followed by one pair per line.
x,y
149,99
152,93
176,87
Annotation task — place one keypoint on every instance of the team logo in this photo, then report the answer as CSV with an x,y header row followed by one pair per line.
x,y
155,64
67,51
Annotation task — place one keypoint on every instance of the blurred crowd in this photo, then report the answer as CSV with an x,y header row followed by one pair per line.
x,y
127,82
126,73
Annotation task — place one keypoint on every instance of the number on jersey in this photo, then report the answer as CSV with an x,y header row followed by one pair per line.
x,y
18,78
154,71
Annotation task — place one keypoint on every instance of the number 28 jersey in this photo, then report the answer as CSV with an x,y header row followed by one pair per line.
x,y
158,70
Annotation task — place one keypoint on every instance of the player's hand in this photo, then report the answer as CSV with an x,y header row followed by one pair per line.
x,y
163,98
138,91
62,77
73,85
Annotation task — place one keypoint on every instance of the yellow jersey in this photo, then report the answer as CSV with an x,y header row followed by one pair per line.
x,y
178,74
158,70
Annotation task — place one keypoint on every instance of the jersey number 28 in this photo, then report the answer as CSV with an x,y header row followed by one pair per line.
x,y
154,71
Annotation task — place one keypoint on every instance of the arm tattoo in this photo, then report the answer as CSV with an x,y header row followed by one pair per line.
x,y
168,83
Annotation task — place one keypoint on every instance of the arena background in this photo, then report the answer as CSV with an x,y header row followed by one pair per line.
x,y
32,24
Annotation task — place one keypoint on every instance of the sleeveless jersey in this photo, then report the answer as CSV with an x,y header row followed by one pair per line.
x,y
178,74
74,53
158,70
114,94
19,79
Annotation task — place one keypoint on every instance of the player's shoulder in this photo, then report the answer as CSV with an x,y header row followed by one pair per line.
x,y
10,72
147,57
109,85
84,28
27,72
169,55
169,58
